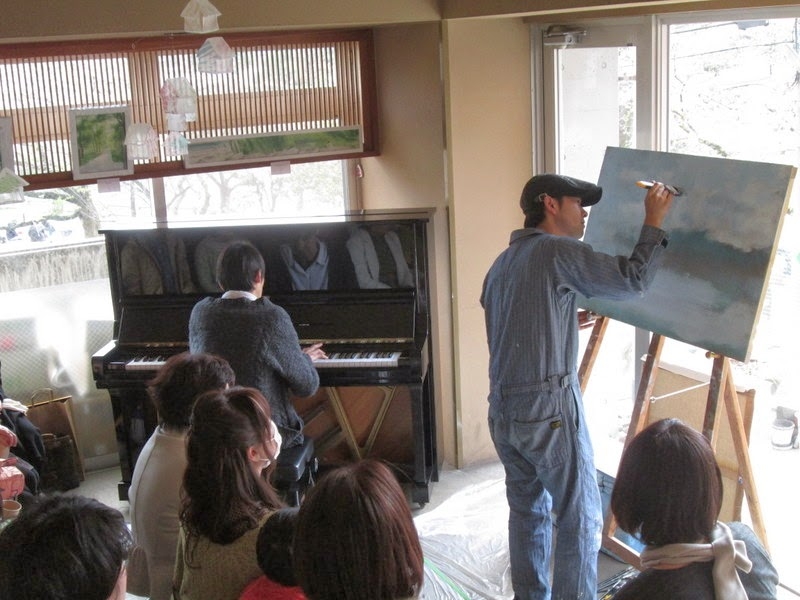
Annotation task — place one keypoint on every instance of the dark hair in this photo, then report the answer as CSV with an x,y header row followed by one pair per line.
x,y
274,546
181,379
222,498
355,537
536,213
63,547
238,265
668,486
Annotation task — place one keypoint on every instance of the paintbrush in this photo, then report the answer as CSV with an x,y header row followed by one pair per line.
x,y
675,191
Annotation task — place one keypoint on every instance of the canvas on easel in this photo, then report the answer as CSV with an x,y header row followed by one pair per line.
x,y
723,233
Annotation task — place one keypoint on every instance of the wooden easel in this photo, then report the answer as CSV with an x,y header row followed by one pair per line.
x,y
721,387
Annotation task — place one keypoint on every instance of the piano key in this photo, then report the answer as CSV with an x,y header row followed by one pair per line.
x,y
145,363
363,359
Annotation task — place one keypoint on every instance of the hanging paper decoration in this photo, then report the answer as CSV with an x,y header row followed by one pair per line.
x,y
141,140
179,100
200,16
176,144
215,56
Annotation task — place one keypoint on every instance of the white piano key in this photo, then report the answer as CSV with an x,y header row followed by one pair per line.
x,y
364,359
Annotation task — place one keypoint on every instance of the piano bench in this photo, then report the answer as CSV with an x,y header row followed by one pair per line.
x,y
295,471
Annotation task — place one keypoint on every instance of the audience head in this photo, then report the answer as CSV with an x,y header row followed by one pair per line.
x,y
668,486
240,267
63,547
182,378
231,446
355,537
274,546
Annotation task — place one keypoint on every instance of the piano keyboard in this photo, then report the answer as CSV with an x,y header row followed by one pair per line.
x,y
335,360
358,359
145,363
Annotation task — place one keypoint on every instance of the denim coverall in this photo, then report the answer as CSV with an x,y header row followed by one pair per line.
x,y
536,417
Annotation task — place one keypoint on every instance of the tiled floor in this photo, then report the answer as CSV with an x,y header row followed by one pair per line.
x,y
466,515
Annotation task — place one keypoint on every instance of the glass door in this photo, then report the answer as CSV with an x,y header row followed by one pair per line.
x,y
598,91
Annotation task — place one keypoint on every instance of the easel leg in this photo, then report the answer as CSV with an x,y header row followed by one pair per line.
x,y
740,444
590,354
716,387
641,408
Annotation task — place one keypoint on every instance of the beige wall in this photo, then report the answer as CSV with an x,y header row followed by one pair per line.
x,y
410,173
22,20
101,18
577,9
487,70
486,155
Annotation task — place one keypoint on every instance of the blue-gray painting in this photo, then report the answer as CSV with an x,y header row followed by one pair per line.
x,y
723,235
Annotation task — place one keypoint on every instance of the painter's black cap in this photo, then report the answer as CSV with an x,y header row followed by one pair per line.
x,y
558,186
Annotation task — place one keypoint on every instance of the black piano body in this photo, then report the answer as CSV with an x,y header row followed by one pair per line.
x,y
376,396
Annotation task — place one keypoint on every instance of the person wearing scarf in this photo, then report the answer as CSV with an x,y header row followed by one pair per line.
x,y
668,491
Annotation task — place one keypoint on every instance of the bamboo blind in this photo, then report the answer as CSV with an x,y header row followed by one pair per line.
x,y
281,82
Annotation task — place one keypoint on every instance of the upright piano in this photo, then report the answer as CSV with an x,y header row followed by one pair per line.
x,y
376,396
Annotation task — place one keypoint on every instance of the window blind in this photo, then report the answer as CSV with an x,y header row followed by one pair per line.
x,y
281,82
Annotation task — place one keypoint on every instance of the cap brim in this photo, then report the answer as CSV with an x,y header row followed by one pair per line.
x,y
593,198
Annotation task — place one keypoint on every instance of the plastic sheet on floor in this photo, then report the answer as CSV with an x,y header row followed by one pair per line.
x,y
465,544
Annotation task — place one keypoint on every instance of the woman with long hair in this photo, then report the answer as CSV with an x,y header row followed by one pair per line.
x,y
232,446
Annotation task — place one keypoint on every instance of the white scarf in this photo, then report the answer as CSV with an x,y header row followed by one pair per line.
x,y
727,554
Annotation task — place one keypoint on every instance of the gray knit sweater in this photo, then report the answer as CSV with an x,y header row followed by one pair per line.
x,y
259,341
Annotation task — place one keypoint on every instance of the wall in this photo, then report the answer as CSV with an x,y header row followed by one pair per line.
x,y
410,173
576,9
24,20
488,92
487,154
103,18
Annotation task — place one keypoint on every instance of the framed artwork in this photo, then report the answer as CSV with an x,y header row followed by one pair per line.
x,y
242,149
97,141
6,144
723,232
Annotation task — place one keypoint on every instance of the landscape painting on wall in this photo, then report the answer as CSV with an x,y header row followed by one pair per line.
x,y
208,152
97,142
723,233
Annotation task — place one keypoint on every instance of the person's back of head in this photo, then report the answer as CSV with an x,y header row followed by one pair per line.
x,y
238,266
668,486
181,379
274,546
355,537
64,547
223,497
